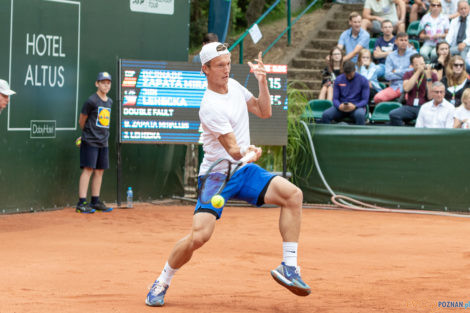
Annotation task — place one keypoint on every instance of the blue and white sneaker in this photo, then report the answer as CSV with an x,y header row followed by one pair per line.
x,y
156,295
289,277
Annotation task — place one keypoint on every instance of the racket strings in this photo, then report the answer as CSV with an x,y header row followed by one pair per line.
x,y
214,181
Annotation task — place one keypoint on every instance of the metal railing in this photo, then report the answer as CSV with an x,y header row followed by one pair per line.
x,y
287,30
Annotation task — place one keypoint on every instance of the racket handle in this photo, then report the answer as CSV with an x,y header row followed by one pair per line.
x,y
250,155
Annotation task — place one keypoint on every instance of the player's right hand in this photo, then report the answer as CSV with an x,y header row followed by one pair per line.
x,y
258,152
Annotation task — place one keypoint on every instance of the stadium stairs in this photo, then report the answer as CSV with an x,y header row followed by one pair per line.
x,y
308,62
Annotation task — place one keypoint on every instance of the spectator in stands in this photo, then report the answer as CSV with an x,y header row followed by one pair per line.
x,y
368,69
5,93
443,58
417,84
449,8
462,113
333,69
209,37
377,11
396,65
437,113
456,80
418,8
458,36
434,27
350,96
353,39
384,46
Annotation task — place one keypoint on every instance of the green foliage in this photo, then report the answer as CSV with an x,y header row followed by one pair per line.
x,y
198,25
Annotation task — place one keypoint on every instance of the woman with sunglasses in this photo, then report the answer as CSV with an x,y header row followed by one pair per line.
x,y
434,27
456,80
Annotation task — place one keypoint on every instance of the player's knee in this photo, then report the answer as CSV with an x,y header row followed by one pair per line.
x,y
199,239
295,198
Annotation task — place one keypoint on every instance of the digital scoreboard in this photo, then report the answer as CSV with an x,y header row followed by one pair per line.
x,y
159,102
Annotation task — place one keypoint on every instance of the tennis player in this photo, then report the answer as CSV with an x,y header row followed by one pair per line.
x,y
224,118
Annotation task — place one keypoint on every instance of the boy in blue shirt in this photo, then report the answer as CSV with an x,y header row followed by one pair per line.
x,y
384,46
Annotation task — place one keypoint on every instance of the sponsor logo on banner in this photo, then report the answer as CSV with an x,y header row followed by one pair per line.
x,y
153,6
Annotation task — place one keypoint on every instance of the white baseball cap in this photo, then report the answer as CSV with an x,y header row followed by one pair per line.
x,y
5,88
212,50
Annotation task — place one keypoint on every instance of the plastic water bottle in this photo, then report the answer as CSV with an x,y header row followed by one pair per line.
x,y
130,196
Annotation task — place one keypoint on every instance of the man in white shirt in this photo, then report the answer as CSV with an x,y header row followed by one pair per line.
x,y
438,113
224,118
458,36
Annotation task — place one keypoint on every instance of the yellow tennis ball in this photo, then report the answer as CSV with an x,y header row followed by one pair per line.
x,y
78,142
217,201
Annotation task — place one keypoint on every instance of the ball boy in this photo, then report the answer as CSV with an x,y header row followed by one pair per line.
x,y
94,121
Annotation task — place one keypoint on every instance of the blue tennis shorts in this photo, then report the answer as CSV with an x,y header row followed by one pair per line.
x,y
94,157
249,184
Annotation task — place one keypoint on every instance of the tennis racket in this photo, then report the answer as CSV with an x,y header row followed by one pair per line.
x,y
217,176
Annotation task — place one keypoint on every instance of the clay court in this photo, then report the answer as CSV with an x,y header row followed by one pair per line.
x,y
61,261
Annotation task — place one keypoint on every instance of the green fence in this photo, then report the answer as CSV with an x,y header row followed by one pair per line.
x,y
397,167
51,52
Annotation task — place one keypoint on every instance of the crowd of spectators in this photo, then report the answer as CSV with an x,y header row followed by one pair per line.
x,y
375,61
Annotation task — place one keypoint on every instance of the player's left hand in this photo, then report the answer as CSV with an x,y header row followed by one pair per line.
x,y
258,69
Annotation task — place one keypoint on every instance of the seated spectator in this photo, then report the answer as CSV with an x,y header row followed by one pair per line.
x,y
377,11
368,69
332,70
449,8
434,27
456,80
353,39
350,96
418,8
462,113
443,58
437,113
458,36
384,46
417,85
396,65
209,37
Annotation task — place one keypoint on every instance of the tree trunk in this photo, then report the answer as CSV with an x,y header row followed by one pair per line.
x,y
254,10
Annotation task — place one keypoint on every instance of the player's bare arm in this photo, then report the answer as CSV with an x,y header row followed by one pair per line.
x,y
82,120
229,142
260,106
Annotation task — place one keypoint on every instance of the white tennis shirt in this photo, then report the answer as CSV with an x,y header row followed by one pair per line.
x,y
221,114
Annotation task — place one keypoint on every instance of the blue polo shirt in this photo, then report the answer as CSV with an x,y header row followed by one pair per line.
x,y
349,42
355,90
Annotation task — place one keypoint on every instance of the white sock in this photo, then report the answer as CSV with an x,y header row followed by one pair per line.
x,y
167,274
289,250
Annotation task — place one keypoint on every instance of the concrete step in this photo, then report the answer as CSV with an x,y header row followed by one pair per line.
x,y
306,84
342,24
330,34
303,74
352,7
343,15
314,54
323,44
308,63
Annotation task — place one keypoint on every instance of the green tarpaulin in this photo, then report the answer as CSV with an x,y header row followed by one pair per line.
x,y
390,166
